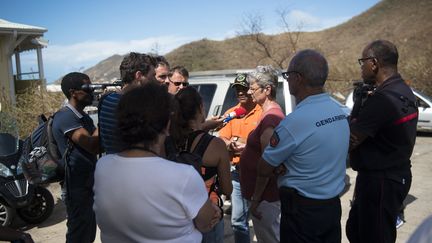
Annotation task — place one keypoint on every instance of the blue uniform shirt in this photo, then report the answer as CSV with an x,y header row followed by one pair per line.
x,y
312,142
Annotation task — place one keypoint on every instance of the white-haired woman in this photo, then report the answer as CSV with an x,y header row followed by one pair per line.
x,y
262,193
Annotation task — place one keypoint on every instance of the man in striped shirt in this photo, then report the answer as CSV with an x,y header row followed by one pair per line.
x,y
135,69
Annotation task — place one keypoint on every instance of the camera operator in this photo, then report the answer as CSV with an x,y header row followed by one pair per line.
x,y
135,69
383,134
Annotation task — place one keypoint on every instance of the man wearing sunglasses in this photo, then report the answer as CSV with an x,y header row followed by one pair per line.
x,y
72,127
177,79
235,134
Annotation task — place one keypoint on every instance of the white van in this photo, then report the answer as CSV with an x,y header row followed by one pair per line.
x,y
218,96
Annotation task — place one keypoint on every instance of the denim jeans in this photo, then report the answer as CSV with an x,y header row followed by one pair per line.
x,y
216,235
240,211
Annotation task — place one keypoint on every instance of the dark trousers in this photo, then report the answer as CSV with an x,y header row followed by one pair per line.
x,y
377,202
81,220
309,220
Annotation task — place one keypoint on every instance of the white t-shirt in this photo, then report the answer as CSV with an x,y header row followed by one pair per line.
x,y
147,200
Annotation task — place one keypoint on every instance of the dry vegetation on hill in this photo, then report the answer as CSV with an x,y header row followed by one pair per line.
x,y
407,23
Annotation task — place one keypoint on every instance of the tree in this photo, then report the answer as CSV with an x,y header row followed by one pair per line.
x,y
271,47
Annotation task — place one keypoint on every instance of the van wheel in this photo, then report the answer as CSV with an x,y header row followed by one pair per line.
x,y
40,208
6,214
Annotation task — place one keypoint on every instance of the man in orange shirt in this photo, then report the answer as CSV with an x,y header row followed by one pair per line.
x,y
235,133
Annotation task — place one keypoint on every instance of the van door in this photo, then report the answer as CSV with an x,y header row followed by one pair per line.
x,y
425,112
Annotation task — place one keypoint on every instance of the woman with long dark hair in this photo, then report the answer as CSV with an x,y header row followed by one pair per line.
x,y
186,128
140,196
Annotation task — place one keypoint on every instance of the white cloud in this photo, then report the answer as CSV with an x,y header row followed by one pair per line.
x,y
61,59
90,51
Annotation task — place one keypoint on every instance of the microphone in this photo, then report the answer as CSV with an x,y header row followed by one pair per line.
x,y
237,113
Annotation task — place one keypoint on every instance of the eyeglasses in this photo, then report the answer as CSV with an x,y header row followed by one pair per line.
x,y
285,75
253,90
178,83
361,61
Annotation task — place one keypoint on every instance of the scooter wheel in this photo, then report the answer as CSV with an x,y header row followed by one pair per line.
x,y
40,208
6,214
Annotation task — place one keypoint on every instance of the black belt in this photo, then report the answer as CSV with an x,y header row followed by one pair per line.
x,y
288,193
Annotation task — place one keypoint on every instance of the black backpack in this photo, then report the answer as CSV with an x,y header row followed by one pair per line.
x,y
41,159
194,158
186,156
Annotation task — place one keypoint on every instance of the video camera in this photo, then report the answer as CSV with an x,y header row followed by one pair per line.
x,y
91,88
361,92
98,89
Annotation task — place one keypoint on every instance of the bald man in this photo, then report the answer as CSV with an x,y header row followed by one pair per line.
x,y
312,144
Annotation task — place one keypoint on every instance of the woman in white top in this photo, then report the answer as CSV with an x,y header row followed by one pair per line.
x,y
139,196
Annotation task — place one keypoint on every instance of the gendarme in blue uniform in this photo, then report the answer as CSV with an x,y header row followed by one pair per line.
x,y
312,142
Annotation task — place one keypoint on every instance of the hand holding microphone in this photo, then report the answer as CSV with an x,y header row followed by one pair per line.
x,y
236,113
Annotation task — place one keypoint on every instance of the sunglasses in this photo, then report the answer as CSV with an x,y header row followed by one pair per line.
x,y
185,84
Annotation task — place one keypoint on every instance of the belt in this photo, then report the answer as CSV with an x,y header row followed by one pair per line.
x,y
288,193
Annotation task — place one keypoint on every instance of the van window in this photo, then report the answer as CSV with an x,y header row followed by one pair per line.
x,y
207,92
231,99
422,103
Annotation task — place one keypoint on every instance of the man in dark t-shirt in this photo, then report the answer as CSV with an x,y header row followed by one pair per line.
x,y
383,134
73,127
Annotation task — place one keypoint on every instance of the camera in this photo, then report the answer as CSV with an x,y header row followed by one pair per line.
x,y
93,88
362,90
98,89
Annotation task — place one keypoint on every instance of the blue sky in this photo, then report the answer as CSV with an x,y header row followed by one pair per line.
x,y
82,33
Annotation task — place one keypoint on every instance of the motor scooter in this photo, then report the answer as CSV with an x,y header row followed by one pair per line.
x,y
33,203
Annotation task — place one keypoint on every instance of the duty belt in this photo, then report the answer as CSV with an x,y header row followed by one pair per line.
x,y
291,195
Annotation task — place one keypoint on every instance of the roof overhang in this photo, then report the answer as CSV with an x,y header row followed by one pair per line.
x,y
29,36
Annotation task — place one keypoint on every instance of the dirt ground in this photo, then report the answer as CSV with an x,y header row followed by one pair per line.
x,y
418,202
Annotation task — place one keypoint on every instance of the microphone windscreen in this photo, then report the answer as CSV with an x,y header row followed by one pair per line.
x,y
240,111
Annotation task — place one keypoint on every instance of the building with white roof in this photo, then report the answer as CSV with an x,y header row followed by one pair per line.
x,y
16,38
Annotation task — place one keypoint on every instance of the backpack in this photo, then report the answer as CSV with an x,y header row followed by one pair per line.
x,y
185,156
41,159
194,158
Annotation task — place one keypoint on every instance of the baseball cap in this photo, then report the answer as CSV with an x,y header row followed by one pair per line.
x,y
240,80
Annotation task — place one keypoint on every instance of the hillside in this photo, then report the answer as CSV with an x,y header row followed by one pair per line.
x,y
407,23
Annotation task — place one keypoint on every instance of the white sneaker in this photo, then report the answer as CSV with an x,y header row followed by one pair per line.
x,y
399,222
